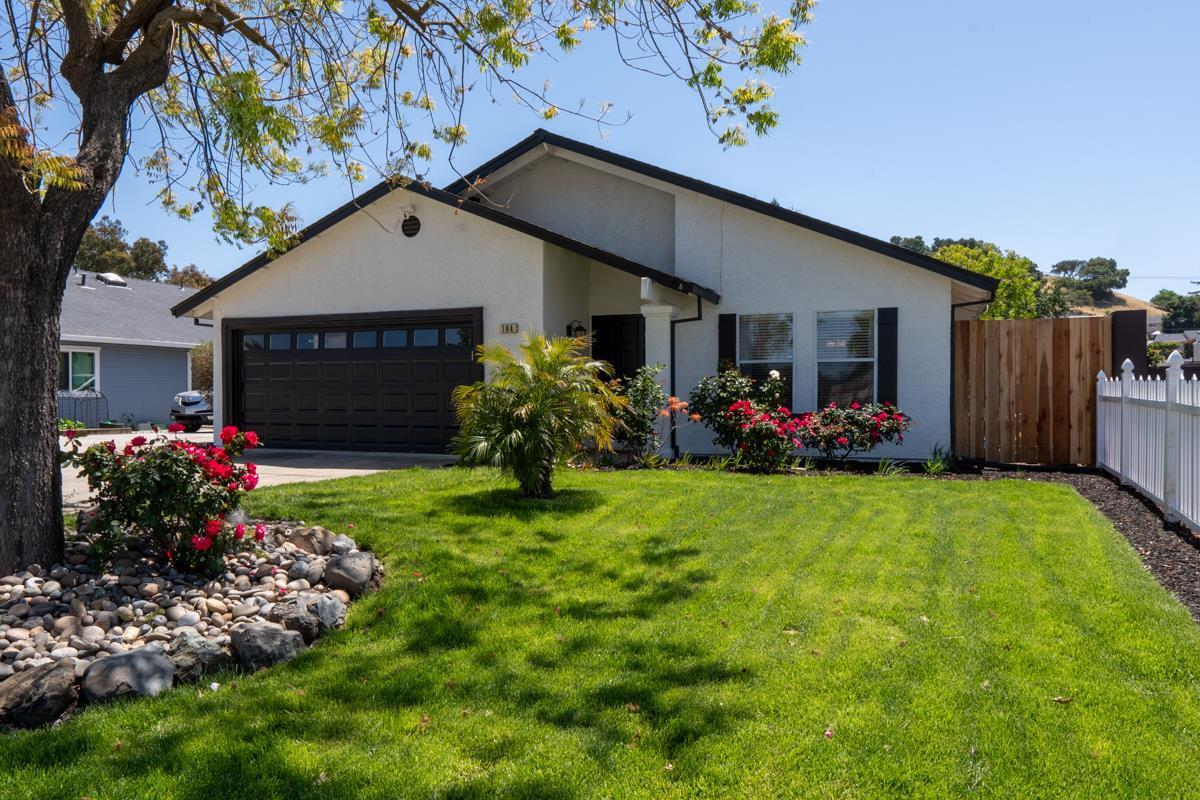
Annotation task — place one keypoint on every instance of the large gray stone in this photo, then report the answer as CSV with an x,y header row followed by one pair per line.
x,y
316,540
39,695
265,644
195,656
343,544
331,612
146,671
296,617
351,573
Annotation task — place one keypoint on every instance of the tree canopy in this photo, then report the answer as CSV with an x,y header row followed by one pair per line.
x,y
105,248
291,89
1091,281
1022,293
1183,310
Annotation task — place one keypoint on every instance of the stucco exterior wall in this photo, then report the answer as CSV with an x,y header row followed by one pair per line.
x,y
566,284
635,221
366,264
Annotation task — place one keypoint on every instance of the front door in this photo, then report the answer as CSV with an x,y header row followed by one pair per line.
x,y
620,339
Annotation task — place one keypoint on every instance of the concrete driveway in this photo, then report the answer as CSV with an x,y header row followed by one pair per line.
x,y
275,466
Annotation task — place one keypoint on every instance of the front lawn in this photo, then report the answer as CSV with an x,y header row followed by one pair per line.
x,y
686,634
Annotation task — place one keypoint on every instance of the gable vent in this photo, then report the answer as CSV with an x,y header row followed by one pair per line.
x,y
111,279
411,226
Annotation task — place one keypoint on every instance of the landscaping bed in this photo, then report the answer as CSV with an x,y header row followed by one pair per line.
x,y
80,632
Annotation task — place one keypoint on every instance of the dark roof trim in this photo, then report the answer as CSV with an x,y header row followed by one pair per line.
x,y
543,137
478,209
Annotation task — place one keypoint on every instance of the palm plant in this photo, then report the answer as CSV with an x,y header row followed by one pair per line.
x,y
535,409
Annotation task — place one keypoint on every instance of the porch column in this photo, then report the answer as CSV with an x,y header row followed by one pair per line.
x,y
658,338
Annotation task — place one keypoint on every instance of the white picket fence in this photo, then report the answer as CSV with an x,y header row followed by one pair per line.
x,y
1148,436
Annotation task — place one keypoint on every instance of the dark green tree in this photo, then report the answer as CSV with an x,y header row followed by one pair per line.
x,y
1183,310
1092,280
104,249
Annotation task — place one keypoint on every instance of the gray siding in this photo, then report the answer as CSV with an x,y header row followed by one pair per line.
x,y
141,382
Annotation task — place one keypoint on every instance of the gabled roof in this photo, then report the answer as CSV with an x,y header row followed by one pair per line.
x,y
543,137
137,313
478,209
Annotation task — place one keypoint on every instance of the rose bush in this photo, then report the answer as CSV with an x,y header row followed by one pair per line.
x,y
841,431
765,437
715,395
179,494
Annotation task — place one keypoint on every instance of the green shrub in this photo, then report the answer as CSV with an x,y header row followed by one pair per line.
x,y
536,409
638,433
715,395
178,494
841,431
71,425
940,460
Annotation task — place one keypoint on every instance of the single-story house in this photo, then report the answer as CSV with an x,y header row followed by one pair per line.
x,y
123,355
355,337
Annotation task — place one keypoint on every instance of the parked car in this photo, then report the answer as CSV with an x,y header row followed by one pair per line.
x,y
192,409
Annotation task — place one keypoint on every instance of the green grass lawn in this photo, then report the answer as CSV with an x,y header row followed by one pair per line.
x,y
686,634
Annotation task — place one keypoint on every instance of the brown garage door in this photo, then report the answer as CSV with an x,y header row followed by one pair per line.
x,y
362,382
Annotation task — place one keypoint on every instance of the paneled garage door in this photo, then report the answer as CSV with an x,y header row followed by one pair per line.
x,y
361,382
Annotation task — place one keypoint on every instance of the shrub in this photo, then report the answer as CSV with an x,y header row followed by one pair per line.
x,y
764,437
715,395
638,422
71,425
839,432
178,494
535,409
940,460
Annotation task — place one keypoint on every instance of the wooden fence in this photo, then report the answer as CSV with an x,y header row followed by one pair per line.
x,y
1025,390
1148,435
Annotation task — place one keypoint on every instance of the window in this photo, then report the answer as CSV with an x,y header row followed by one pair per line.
x,y
335,341
279,341
307,341
425,337
395,338
77,371
364,339
458,337
253,341
765,344
845,357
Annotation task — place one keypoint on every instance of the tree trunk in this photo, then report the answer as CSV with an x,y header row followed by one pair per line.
x,y
31,530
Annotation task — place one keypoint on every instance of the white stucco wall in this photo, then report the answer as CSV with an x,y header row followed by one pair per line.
x,y
566,283
636,221
365,264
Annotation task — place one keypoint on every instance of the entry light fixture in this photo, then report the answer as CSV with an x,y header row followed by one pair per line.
x,y
576,328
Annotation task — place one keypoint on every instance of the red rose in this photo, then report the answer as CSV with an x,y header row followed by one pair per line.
x,y
128,450
228,433
213,526
201,543
239,531
251,440
843,441
260,531
249,481
855,405
138,441
175,427
110,446
69,433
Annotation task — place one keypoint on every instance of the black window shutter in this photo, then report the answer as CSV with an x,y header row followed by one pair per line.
x,y
726,341
886,358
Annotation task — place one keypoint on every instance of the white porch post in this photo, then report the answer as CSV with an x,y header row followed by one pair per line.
x,y
658,338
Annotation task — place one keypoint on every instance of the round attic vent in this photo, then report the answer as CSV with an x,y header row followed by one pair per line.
x,y
410,227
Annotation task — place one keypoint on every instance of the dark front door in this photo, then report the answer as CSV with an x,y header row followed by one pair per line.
x,y
367,382
620,339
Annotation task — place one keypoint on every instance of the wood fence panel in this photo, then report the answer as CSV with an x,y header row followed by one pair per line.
x,y
1025,390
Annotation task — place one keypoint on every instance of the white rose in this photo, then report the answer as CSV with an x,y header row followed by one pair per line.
x,y
774,374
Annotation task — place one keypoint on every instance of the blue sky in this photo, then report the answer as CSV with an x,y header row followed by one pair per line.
x,y
1063,129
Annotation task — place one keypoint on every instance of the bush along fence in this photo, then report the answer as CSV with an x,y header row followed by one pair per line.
x,y
1148,436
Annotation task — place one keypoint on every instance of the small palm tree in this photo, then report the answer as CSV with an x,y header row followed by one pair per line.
x,y
535,409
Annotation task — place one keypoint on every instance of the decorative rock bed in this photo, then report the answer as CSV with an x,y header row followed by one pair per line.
x,y
72,634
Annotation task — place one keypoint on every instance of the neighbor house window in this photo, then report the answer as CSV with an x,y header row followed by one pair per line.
x,y
845,357
77,370
765,344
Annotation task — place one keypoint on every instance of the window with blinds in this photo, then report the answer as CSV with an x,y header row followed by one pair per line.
x,y
845,357
765,344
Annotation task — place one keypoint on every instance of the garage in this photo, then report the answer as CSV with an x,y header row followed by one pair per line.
x,y
352,382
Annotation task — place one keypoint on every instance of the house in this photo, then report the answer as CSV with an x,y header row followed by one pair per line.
x,y
356,336
123,355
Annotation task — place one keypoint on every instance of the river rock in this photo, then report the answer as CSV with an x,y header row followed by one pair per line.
x,y
145,671
264,644
315,540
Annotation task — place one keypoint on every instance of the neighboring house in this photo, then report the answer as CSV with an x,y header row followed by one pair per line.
x,y
119,339
356,337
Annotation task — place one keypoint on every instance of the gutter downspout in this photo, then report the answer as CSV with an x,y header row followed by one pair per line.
x,y
953,400
674,393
